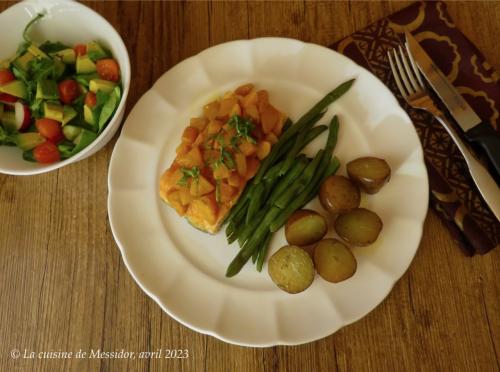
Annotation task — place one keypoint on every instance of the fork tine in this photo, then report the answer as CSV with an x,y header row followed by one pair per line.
x,y
415,68
396,76
409,72
401,70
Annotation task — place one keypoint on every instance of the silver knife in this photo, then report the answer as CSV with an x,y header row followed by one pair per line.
x,y
475,130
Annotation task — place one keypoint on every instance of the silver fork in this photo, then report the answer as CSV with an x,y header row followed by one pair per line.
x,y
413,90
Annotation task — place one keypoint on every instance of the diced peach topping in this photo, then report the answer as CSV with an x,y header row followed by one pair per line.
x,y
262,99
183,148
204,209
221,171
200,186
271,137
217,157
185,196
214,127
252,111
241,164
192,159
227,105
269,117
243,90
278,128
263,149
252,167
210,110
227,192
250,99
247,148
189,135
198,123
234,179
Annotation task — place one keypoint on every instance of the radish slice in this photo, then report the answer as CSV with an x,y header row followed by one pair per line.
x,y
23,116
7,99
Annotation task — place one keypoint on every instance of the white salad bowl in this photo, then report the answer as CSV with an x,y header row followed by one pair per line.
x,y
70,23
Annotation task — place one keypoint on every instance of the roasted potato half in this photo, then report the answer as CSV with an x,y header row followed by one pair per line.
x,y
334,261
305,227
359,226
338,194
291,269
369,173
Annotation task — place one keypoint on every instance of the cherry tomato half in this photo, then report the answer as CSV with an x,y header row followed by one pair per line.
x,y
90,99
50,129
46,153
68,91
6,76
80,49
108,69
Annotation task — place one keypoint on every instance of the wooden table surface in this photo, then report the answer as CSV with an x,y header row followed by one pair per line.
x,y
64,287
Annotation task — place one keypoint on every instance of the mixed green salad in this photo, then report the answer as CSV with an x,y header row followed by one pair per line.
x,y
56,99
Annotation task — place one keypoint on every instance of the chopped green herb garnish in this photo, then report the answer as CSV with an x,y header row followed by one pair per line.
x,y
227,158
217,191
187,173
243,126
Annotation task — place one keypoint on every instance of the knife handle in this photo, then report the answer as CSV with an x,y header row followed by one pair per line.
x,y
484,181
488,139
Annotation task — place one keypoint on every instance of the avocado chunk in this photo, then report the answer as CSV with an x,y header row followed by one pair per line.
x,y
35,51
69,113
71,132
53,111
102,85
84,65
8,120
23,61
95,51
15,88
47,89
68,56
88,115
60,67
28,141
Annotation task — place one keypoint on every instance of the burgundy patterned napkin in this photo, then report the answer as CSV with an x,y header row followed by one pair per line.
x,y
453,193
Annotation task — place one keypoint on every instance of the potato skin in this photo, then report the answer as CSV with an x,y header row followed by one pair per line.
x,y
369,173
305,227
359,226
338,194
291,269
334,261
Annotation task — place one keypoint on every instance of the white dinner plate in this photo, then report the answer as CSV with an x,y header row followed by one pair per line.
x,y
183,269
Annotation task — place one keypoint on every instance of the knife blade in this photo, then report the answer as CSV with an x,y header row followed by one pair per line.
x,y
475,130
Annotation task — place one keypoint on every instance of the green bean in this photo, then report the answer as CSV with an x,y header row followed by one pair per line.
x,y
300,183
263,252
305,196
300,163
273,172
247,230
255,201
253,243
313,182
301,140
234,225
